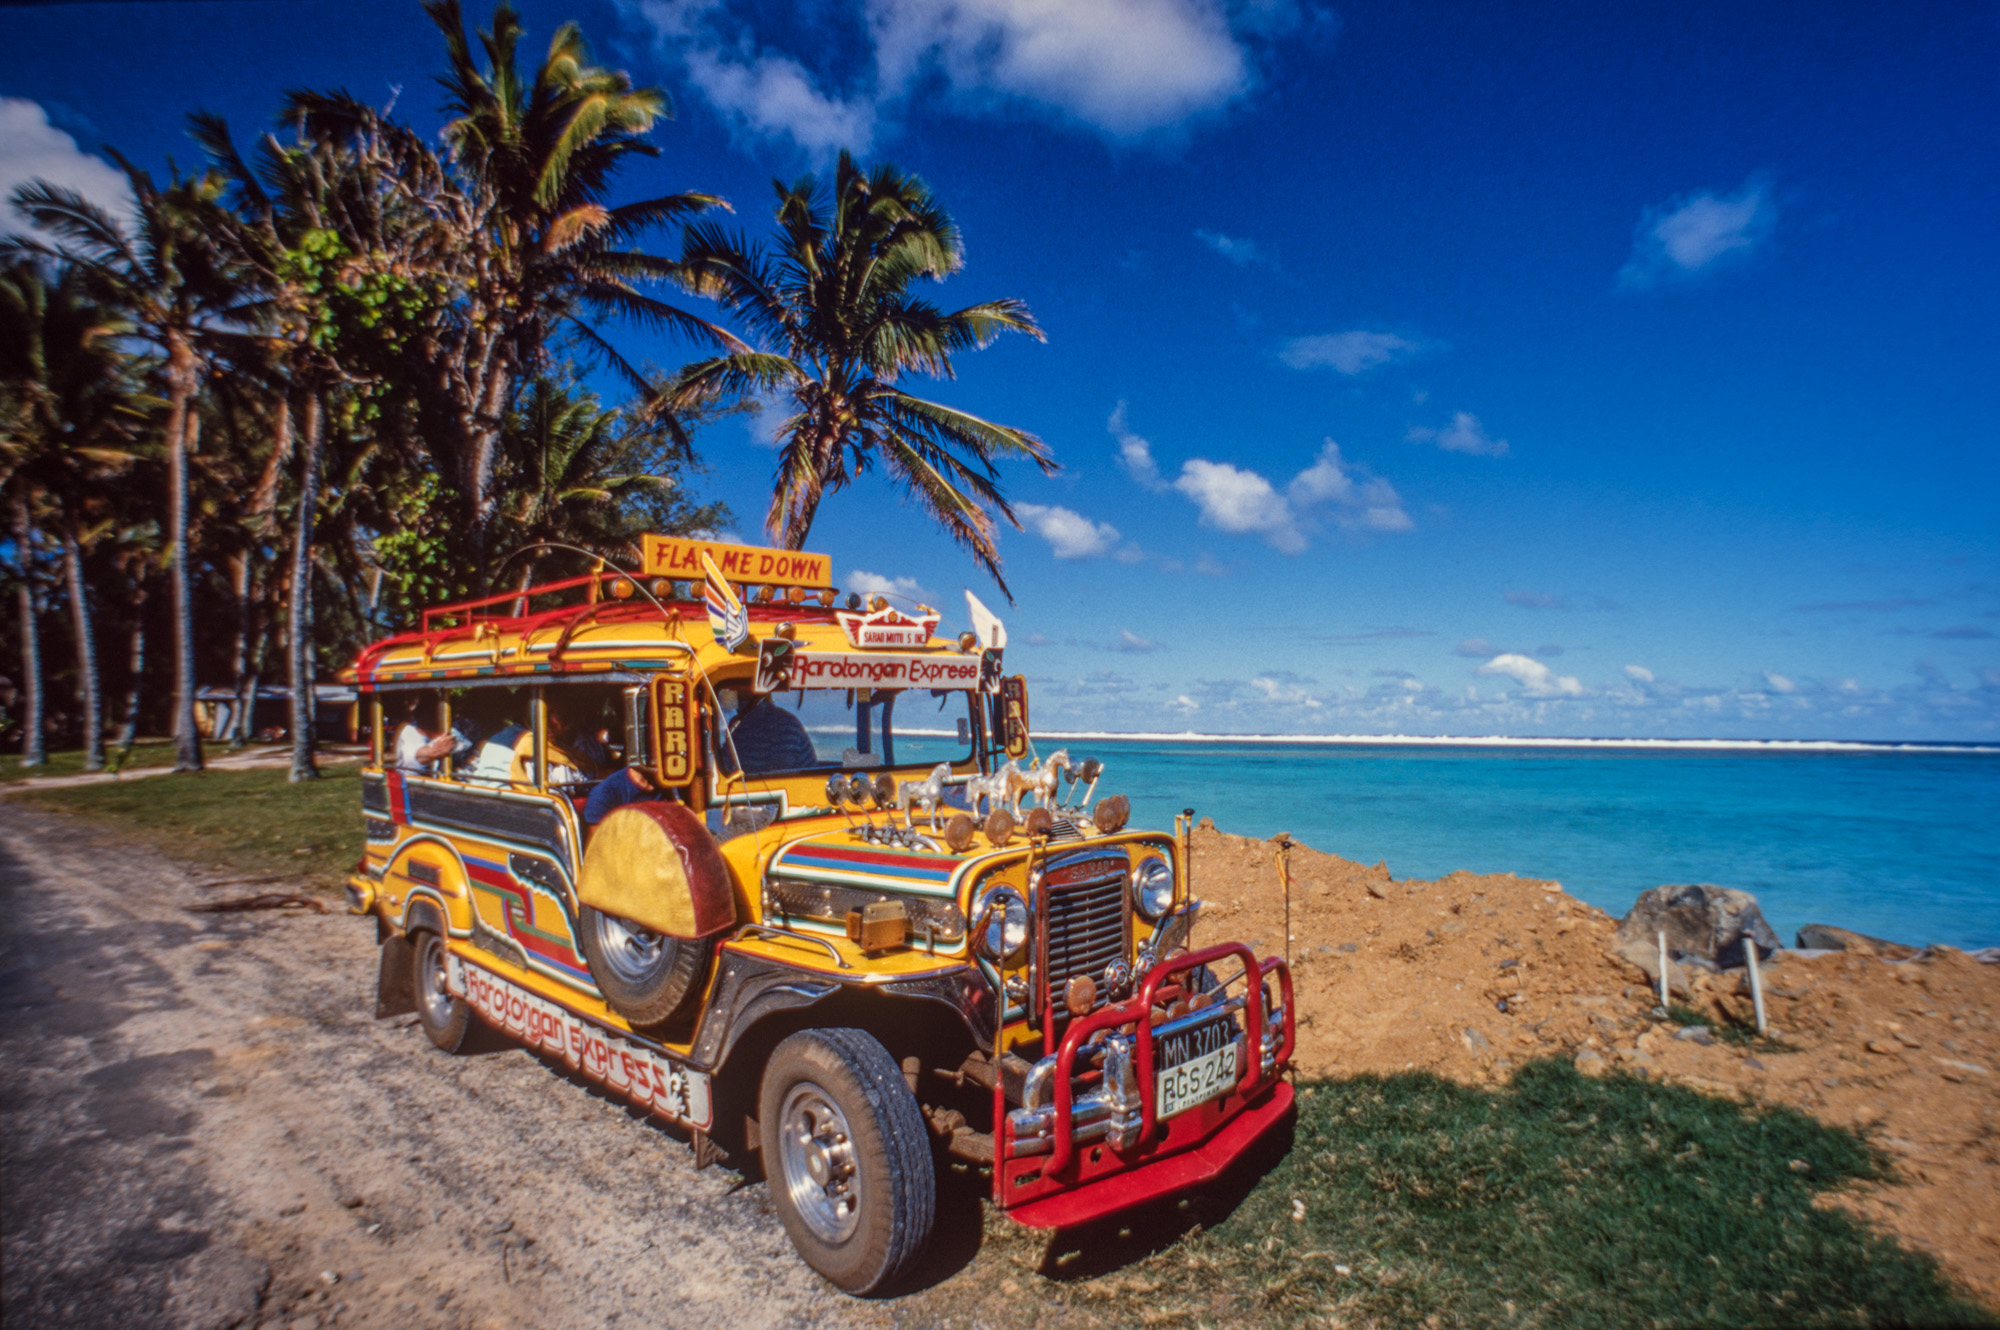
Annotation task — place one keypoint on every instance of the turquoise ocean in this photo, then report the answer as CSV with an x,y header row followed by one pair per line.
x,y
1901,842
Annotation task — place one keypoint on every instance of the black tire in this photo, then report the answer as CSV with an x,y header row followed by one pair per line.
x,y
834,1103
648,978
446,1018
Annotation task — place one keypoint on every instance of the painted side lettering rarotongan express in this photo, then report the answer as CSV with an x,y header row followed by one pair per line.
x,y
812,669
639,1074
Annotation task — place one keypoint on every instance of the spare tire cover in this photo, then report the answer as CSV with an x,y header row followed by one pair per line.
x,y
656,865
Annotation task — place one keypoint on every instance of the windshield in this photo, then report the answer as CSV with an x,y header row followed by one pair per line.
x,y
855,729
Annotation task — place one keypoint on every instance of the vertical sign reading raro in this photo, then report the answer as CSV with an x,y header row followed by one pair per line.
x,y
672,556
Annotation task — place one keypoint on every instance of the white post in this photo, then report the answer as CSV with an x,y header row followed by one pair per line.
x,y
1664,963
1756,983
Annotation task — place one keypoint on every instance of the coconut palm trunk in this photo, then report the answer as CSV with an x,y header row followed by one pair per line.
x,y
87,681
301,624
34,747
135,661
183,426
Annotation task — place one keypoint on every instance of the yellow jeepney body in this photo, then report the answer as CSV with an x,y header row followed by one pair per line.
x,y
492,865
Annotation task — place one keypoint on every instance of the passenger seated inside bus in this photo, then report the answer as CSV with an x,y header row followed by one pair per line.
x,y
416,748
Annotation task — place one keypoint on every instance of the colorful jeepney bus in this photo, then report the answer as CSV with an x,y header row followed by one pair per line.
x,y
840,921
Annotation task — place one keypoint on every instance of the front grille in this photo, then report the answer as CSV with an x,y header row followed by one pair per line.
x,y
1089,924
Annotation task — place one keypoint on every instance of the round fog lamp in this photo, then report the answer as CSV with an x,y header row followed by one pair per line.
x,y
1152,888
1004,935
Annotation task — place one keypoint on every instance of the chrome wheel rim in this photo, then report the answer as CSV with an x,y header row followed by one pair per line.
x,y
437,992
632,953
816,1152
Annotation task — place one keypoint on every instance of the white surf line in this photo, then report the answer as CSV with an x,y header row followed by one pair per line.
x,y
1501,741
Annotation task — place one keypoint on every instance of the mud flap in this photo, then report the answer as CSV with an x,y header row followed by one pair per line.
x,y
394,994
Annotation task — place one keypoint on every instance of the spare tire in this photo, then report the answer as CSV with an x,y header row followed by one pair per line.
x,y
648,978
653,891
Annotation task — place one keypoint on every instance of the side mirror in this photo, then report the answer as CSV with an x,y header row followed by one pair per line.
x,y
638,729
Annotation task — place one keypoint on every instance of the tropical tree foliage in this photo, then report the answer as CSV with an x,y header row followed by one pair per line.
x,y
834,297
347,371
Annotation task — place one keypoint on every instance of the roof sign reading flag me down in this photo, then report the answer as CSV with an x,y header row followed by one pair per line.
x,y
673,556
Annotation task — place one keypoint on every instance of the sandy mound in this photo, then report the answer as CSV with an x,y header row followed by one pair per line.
x,y
1466,976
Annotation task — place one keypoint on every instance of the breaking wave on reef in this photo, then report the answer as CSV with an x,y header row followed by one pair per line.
x,y
1503,741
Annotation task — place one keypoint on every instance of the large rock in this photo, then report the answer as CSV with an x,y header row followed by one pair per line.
x,y
1701,922
1825,937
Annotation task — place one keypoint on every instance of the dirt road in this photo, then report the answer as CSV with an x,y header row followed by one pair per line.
x,y
205,1127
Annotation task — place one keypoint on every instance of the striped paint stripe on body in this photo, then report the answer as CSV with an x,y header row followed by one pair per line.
x,y
927,874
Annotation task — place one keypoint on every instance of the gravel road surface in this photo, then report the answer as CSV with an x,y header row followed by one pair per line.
x,y
204,1127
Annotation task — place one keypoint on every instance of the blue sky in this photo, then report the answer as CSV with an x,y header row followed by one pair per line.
x,y
1426,368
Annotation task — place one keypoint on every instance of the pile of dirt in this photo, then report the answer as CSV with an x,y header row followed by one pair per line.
x,y
1469,975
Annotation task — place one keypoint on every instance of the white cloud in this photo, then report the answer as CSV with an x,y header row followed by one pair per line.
x,y
767,414
1243,502
33,149
1285,691
1361,500
1778,683
1239,252
1535,678
1120,66
1463,435
1638,674
1698,231
774,95
1070,534
1348,352
1135,454
1127,640
874,584
765,93
1185,704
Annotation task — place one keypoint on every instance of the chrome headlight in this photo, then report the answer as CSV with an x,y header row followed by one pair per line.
x,y
1004,934
1153,888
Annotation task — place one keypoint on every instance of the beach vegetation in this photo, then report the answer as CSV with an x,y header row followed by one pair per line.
x,y
1555,1200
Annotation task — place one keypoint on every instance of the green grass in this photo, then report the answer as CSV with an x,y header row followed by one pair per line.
x,y
1558,1201
246,823
145,753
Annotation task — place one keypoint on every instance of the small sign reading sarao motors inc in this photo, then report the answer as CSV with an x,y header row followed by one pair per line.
x,y
674,556
889,628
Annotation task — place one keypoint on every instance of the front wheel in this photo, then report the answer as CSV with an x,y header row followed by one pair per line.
x,y
445,1016
847,1157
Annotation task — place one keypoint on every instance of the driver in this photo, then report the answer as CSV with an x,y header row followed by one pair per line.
x,y
769,738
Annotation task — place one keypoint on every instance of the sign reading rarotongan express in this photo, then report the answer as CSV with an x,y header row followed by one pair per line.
x,y
672,556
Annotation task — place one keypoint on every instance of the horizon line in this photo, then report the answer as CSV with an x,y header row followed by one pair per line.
x,y
1522,741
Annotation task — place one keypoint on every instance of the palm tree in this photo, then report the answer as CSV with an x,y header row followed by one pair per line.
x,y
574,471
70,419
169,279
535,255
833,296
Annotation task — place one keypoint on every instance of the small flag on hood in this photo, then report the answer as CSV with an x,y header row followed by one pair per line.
x,y
728,619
